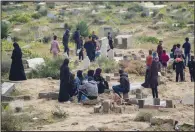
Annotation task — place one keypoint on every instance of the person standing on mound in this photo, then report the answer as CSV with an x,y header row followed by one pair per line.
x,y
17,69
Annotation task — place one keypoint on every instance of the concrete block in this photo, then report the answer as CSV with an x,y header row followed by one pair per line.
x,y
117,109
7,88
125,96
141,103
169,104
138,96
116,74
97,108
138,91
153,106
106,106
53,95
7,98
108,78
43,95
156,101
23,97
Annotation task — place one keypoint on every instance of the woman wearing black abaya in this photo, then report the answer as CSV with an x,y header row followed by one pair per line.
x,y
66,82
17,69
102,83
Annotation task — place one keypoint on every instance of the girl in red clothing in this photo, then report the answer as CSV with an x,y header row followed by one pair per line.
x,y
165,59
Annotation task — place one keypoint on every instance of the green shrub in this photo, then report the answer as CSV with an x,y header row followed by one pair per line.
x,y
50,69
51,5
4,29
38,7
43,11
130,15
148,39
107,65
143,14
21,18
135,8
143,116
46,39
36,15
84,31
9,122
108,7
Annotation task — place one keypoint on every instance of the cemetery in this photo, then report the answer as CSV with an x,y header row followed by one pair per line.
x,y
136,28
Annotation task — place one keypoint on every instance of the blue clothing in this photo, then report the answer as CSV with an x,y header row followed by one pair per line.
x,y
118,89
187,56
187,47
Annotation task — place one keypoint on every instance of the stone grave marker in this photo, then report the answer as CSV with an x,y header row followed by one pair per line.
x,y
7,87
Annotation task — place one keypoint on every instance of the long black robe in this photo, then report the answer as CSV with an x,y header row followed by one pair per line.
x,y
90,49
66,84
17,69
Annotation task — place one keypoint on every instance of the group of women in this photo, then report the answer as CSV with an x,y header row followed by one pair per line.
x,y
76,86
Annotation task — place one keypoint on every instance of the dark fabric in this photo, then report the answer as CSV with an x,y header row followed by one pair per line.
x,y
159,51
154,91
146,83
110,42
178,66
191,66
153,74
181,75
80,75
102,85
84,92
66,49
66,84
173,50
164,64
76,36
187,47
124,82
17,69
118,89
90,49
94,37
65,41
98,71
81,56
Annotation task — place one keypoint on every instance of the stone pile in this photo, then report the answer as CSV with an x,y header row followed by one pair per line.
x,y
107,107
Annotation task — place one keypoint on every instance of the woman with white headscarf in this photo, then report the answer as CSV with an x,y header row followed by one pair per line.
x,y
153,76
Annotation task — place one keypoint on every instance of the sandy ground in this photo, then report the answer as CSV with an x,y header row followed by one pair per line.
x,y
83,116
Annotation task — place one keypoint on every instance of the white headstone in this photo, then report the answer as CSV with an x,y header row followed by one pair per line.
x,y
33,63
9,39
86,62
111,54
7,87
104,46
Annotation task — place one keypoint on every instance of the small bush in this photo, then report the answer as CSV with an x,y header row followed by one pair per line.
x,y
9,122
143,116
59,113
107,65
130,15
108,7
46,39
51,6
43,11
21,18
84,31
38,7
148,39
135,8
36,15
4,29
143,14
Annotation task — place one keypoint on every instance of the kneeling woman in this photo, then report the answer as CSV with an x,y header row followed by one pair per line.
x,y
102,84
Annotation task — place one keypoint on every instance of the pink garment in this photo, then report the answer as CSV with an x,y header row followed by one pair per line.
x,y
55,47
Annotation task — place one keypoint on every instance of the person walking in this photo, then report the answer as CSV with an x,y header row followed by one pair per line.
x,y
76,38
160,50
81,56
17,69
165,59
55,47
191,66
65,41
110,41
187,48
90,47
153,76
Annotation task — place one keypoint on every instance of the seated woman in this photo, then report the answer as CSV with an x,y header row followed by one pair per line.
x,y
78,81
102,84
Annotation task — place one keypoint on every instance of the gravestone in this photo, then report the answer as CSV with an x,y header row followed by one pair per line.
x,y
106,106
104,46
86,62
33,63
103,31
141,103
156,101
9,39
7,87
111,54
169,104
123,41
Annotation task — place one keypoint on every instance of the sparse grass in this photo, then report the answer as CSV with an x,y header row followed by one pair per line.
x,y
59,113
143,39
107,65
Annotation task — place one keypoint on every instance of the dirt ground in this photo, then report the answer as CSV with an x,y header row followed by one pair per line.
x,y
80,117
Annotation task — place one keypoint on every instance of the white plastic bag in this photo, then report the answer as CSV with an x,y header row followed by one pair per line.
x,y
78,51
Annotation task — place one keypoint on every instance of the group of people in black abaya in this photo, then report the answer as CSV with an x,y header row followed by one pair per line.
x,y
83,87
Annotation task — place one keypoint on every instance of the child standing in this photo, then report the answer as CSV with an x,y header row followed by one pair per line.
x,y
165,59
55,47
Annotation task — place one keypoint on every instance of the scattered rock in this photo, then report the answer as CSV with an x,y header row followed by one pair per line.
x,y
107,78
49,78
92,128
158,120
75,123
18,109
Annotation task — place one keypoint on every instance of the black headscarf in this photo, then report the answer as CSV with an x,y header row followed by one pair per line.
x,y
66,62
98,71
90,73
17,53
80,74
